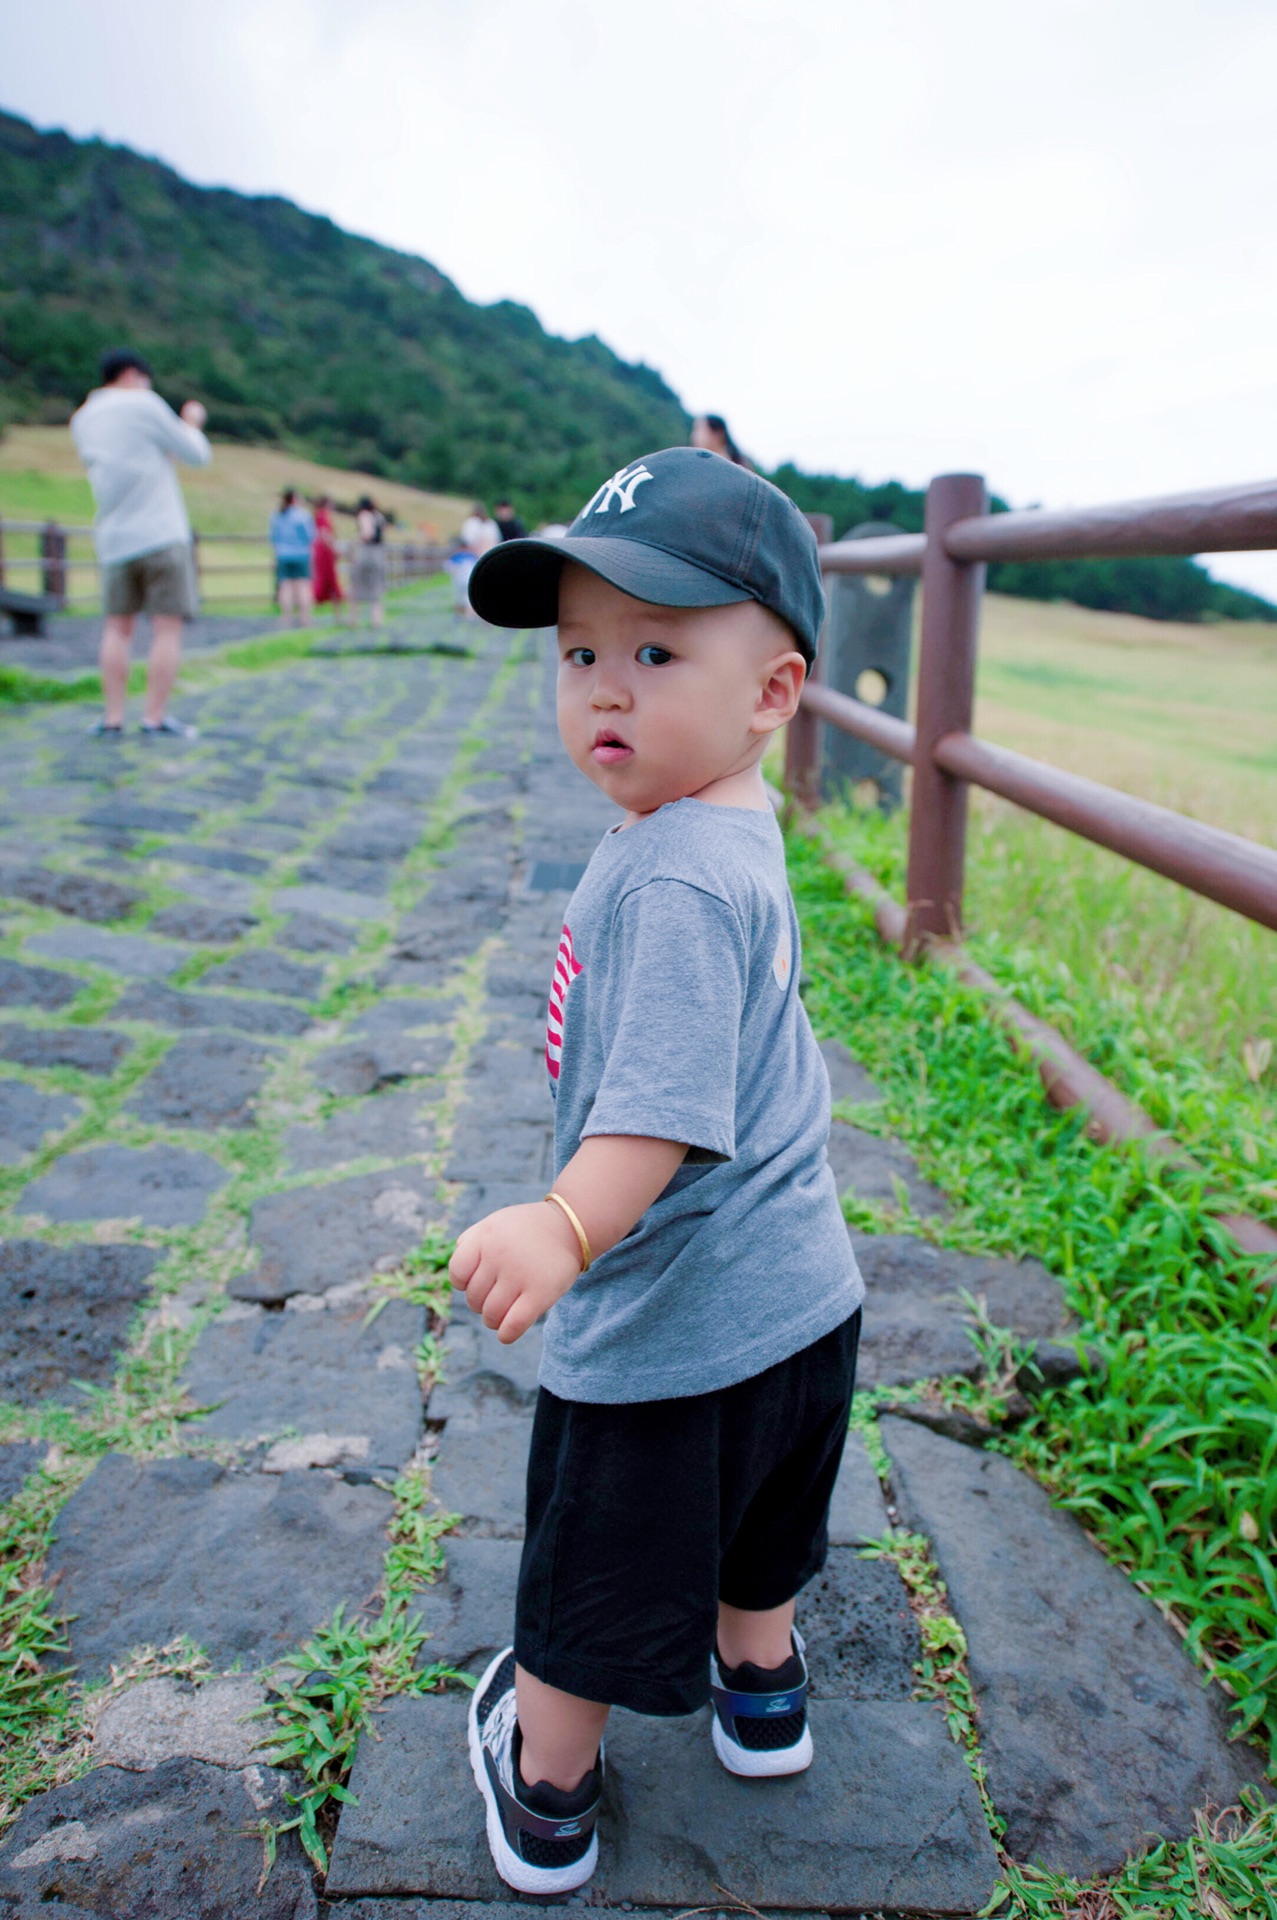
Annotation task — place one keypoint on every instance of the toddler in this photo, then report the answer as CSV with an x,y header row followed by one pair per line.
x,y
703,1300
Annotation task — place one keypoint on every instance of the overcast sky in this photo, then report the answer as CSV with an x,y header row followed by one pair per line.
x,y
1030,237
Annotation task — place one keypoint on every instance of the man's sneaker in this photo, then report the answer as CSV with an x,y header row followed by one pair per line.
x,y
760,1716
103,732
169,728
541,1839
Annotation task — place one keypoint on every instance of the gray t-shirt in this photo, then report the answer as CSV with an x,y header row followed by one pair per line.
x,y
674,1014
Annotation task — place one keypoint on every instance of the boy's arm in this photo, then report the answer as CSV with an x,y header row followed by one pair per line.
x,y
517,1262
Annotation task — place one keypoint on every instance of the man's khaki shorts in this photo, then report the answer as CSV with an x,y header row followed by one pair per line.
x,y
161,583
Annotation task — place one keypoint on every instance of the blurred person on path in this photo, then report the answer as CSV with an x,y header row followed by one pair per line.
x,y
292,534
129,439
479,534
710,432
368,567
460,565
479,531
325,583
508,522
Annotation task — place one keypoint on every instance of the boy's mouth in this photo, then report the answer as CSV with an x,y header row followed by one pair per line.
x,y
609,748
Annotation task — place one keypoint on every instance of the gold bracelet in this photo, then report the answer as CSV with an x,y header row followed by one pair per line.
x,y
557,1200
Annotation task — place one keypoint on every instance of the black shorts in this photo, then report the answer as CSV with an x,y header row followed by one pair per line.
x,y
642,1517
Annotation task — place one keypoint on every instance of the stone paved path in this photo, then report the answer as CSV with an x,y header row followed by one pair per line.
x,y
272,1004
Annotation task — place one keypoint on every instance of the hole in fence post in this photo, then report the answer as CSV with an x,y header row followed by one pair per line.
x,y
872,686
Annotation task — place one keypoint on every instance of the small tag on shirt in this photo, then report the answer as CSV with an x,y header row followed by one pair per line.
x,y
782,963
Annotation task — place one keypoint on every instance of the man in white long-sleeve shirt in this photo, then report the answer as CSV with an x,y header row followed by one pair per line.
x,y
129,439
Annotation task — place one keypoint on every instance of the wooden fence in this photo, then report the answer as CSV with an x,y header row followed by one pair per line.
x,y
947,759
58,562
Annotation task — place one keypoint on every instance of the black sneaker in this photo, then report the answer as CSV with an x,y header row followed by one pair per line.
x,y
542,1840
169,728
102,731
760,1716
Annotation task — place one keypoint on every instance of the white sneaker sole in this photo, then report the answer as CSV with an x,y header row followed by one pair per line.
x,y
752,1765
517,1873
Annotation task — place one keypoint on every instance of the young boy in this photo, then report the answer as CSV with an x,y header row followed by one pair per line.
x,y
703,1297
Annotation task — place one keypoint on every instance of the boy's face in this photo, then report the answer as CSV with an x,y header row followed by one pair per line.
x,y
657,703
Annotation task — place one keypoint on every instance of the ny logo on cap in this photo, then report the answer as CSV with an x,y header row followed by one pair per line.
x,y
620,487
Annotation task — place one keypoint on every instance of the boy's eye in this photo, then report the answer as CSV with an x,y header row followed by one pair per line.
x,y
654,656
580,656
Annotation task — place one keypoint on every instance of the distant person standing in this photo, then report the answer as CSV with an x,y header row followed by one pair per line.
x,y
460,564
479,534
128,439
368,567
292,534
479,531
508,522
710,432
325,582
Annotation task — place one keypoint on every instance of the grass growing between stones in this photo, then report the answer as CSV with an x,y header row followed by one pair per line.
x,y
38,1716
343,1673
1225,1872
1169,1454
44,1726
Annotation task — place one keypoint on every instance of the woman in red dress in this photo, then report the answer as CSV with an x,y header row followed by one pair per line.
x,y
325,585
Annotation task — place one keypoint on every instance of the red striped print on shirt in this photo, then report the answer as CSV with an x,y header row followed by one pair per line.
x,y
566,968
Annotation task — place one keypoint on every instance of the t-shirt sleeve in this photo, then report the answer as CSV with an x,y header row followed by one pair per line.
x,y
669,1020
175,437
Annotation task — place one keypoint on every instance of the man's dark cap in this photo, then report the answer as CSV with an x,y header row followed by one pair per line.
x,y
680,528
118,360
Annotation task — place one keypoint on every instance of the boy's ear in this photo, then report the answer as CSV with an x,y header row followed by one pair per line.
x,y
779,693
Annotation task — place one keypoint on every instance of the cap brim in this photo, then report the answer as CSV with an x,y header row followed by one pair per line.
x,y
517,583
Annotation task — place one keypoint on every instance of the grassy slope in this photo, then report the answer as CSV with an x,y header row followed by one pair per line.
x,y
40,474
1185,716
1182,715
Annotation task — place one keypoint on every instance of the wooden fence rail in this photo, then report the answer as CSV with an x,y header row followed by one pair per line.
x,y
60,557
947,759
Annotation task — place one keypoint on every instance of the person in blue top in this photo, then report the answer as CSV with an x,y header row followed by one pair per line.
x,y
701,1293
292,534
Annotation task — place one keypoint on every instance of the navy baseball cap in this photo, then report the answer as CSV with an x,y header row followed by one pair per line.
x,y
679,528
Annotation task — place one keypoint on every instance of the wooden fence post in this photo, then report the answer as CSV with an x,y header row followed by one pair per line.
x,y
53,555
951,592
802,739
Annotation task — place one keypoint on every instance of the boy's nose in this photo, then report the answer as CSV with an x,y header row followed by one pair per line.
x,y
608,692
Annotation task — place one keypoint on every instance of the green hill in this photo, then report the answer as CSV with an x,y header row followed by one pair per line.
x,y
293,331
